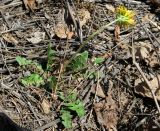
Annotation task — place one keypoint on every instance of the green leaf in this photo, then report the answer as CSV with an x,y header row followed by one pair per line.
x,y
61,95
66,118
89,74
23,61
79,61
52,82
33,80
50,57
98,60
72,97
77,106
38,66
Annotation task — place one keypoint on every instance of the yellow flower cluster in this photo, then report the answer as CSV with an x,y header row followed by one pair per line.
x,y
125,17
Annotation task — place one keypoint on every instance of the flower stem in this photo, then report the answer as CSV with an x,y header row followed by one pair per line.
x,y
88,39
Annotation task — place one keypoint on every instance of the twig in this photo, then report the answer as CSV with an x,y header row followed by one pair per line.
x,y
52,123
31,108
11,5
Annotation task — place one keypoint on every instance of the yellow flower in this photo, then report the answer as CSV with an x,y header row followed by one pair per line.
x,y
125,17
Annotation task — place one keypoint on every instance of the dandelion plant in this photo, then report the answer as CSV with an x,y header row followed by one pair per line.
x,y
124,18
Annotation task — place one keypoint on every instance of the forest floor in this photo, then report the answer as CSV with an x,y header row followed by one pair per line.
x,y
112,83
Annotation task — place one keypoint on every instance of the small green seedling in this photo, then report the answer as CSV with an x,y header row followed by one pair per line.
x,y
38,74
66,118
50,58
33,80
98,60
23,61
71,103
79,62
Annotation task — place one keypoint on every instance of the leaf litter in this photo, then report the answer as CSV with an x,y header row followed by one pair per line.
x,y
103,53
142,89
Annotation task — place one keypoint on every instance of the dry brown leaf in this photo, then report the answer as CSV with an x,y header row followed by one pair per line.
x,y
143,49
117,33
9,38
84,16
62,31
30,4
145,52
153,60
99,92
110,7
46,106
106,112
70,35
98,107
147,17
36,37
123,100
142,89
110,113
156,2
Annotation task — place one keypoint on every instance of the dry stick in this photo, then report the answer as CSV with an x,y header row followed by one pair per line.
x,y
88,39
50,124
144,77
31,108
11,5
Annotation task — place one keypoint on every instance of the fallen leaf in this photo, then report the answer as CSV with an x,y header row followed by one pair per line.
x,y
147,17
70,35
123,100
110,7
30,4
110,113
99,92
39,1
62,31
98,109
142,50
84,16
145,52
155,2
36,37
117,33
106,112
142,89
46,106
9,38
153,60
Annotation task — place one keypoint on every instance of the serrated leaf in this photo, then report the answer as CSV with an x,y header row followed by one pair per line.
x,y
37,67
72,97
61,95
50,57
78,106
79,61
98,60
33,80
66,118
52,82
23,61
89,74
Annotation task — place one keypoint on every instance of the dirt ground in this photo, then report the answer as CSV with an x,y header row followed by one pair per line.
x,y
119,93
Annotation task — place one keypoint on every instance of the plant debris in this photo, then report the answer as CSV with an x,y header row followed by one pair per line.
x,y
80,65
